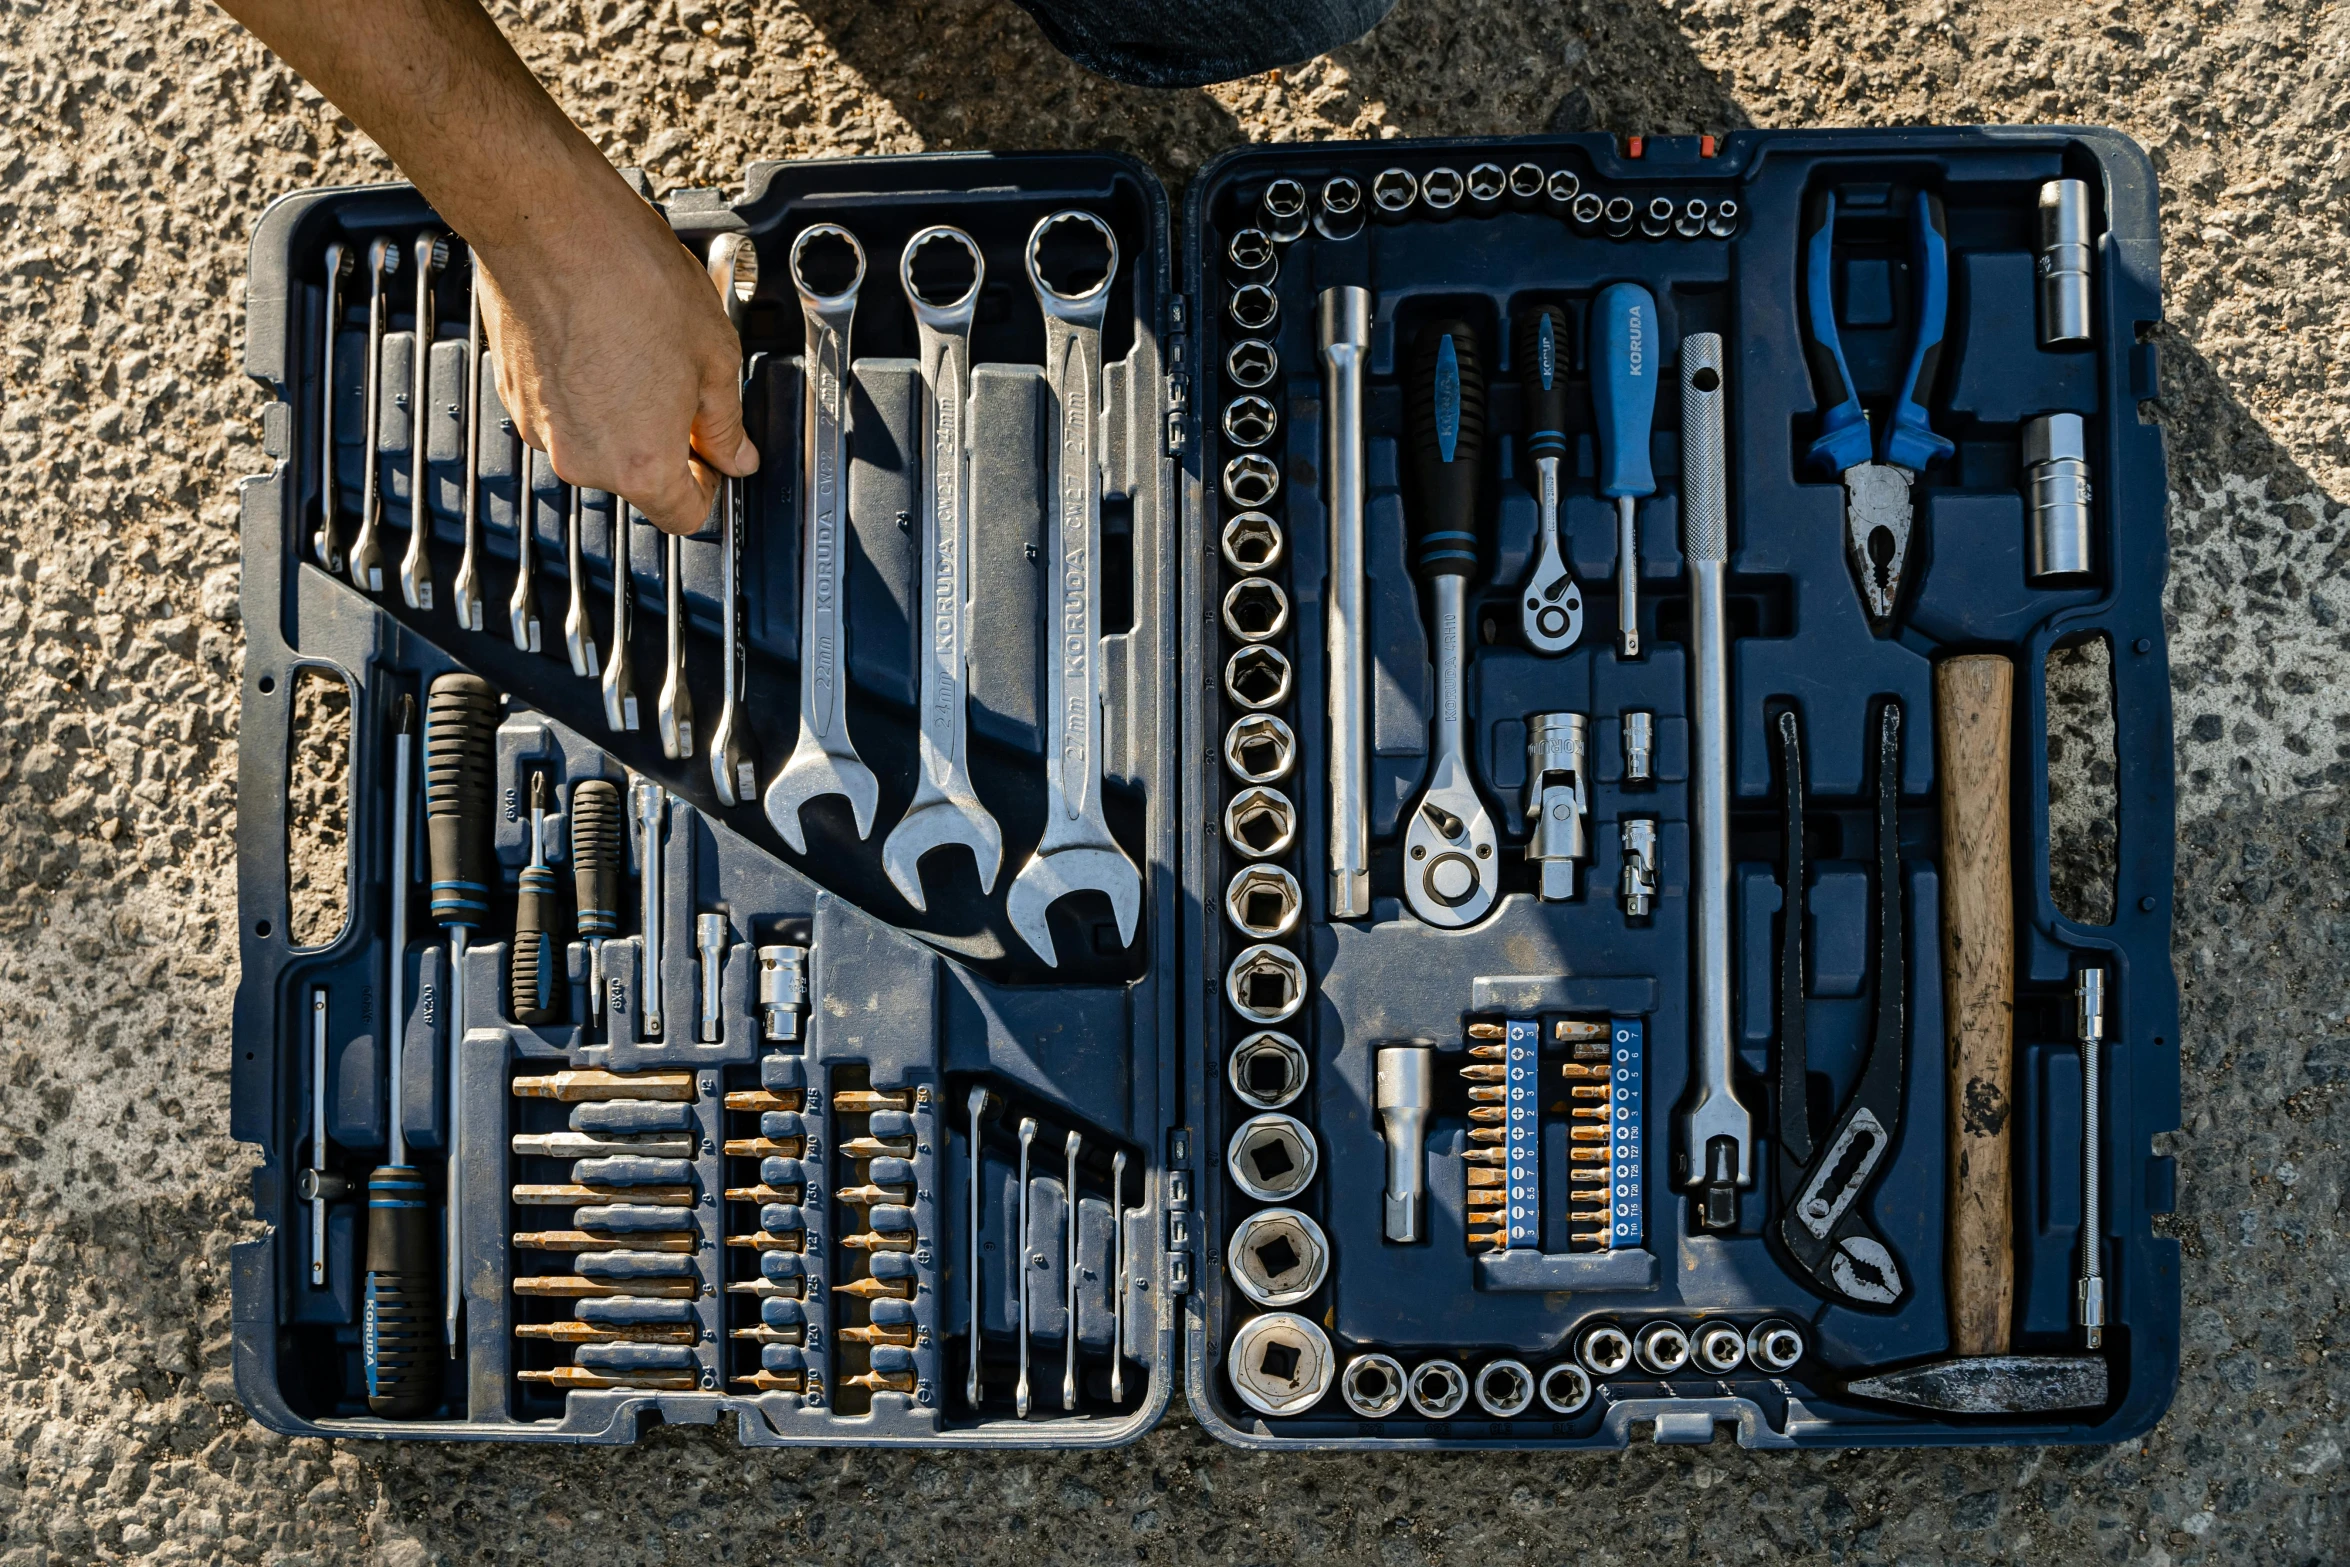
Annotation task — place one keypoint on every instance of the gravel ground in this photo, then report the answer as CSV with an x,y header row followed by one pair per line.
x,y
139,142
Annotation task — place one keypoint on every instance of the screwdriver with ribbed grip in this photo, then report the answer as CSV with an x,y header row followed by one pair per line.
x,y
460,736
532,970
395,1336
595,874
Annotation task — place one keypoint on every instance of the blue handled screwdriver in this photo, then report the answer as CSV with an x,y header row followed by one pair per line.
x,y
1626,360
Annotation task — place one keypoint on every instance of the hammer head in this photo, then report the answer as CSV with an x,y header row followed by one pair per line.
x,y
1992,1385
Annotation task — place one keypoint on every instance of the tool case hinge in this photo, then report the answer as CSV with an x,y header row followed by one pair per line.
x,y
1178,1211
1178,377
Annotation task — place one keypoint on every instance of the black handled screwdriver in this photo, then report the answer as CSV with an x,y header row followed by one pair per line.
x,y
532,973
595,874
460,732
395,1338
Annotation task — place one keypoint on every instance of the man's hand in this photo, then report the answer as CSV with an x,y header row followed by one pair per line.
x,y
616,359
613,349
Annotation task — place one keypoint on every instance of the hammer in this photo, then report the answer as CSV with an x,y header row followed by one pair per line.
x,y
1974,710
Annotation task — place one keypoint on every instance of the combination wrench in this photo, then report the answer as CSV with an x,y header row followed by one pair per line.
x,y
328,540
1343,324
1717,1136
945,809
824,760
367,551
673,705
1452,872
432,254
579,633
467,587
1076,852
734,773
1551,612
620,714
522,610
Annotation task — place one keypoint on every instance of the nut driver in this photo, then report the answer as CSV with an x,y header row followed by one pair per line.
x,y
1452,865
945,810
1550,613
1076,852
824,761
1826,1225
1878,505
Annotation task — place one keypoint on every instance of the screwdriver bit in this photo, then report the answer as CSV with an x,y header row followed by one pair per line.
x,y
558,1196
877,1148
764,1147
763,1334
575,1377
611,1332
588,1145
759,1099
776,1381
584,1240
560,1285
583,1086
860,1102
787,1195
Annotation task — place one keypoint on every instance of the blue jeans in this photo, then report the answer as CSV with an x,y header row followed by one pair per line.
x,y
1185,43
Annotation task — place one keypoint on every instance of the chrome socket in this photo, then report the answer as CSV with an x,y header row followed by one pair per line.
x,y
1249,420
1657,219
1639,746
1720,1348
1252,543
1283,209
1776,1345
1437,1389
1558,802
1372,1385
1257,677
1504,1388
1586,212
1268,1069
1266,985
1256,610
1254,307
1393,195
2056,495
1565,1388
1604,1350
1279,1256
1251,363
783,991
1724,220
1251,480
1617,219
1487,184
1526,183
1639,881
1560,191
1661,1348
1272,1157
1338,208
2066,249
1281,1363
1260,823
1691,222
1253,256
1259,749
1441,191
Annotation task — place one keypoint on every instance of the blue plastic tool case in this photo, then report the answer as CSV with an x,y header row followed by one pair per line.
x,y
1105,1276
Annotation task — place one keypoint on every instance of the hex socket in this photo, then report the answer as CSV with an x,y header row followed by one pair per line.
x,y
1266,984
1252,256
1254,307
1394,192
1250,420
1257,677
1487,184
1252,542
1268,1069
1251,363
1251,480
1256,610
1441,190
1373,1385
1260,823
1272,1157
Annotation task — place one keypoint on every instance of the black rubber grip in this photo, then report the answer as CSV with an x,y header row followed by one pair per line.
x,y
460,737
1444,419
596,856
400,1323
533,972
1543,358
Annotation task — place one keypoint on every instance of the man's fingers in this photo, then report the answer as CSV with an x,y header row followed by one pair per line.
x,y
718,433
682,503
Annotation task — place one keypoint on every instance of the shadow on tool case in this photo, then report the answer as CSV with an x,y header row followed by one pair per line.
x,y
1439,796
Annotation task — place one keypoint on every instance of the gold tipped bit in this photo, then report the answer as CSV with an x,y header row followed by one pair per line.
x,y
1587,1091
763,1334
594,1240
570,1196
1590,1155
789,1196
879,1333
1588,1237
1486,1074
1569,1031
580,1087
1484,1156
1480,1176
765,1147
1487,1115
763,1099
879,1240
1589,1113
1587,1215
567,1285
760,1240
611,1332
872,1196
1488,1134
877,1289
884,1381
1489,1052
1582,1069
776,1381
855,1102
771,1289
878,1148
1489,1094
1587,1134
575,1377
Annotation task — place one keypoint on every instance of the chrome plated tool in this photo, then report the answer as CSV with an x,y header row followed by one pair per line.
x,y
1344,321
1550,613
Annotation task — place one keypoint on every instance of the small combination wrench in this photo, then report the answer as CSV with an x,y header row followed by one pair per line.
x,y
432,254
824,760
734,268
1077,852
367,551
945,809
328,541
467,587
522,610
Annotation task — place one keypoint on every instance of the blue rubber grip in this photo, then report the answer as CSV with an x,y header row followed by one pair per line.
x,y
1627,361
1843,441
1910,441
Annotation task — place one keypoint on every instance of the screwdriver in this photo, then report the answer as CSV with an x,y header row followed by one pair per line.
x,y
595,874
460,723
1625,361
402,1379
530,978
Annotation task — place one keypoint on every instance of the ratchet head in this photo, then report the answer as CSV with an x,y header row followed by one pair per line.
x,y
1451,854
1050,876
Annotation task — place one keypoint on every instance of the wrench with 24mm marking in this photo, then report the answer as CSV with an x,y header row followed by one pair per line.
x,y
1076,852
824,761
945,809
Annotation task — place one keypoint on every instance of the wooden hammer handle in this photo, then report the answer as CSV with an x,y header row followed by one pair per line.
x,y
1974,712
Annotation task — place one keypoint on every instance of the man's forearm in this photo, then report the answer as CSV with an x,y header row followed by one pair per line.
x,y
438,87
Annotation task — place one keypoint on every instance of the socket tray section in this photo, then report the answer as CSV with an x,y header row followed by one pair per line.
x,y
846,1170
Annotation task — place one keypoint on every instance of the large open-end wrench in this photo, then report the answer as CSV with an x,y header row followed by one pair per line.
x,y
945,809
1076,852
1452,868
734,268
367,549
432,254
328,540
824,760
1716,1133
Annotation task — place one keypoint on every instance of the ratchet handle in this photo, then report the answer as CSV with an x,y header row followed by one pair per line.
x,y
1444,416
1627,359
1543,348
1843,441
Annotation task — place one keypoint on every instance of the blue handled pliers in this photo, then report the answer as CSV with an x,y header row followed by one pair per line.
x,y
1877,473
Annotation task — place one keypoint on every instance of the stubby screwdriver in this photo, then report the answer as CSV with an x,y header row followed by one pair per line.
x,y
595,874
460,724
533,972
395,1338
1625,364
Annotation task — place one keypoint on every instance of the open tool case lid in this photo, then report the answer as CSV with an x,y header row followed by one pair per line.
x,y
1128,1047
